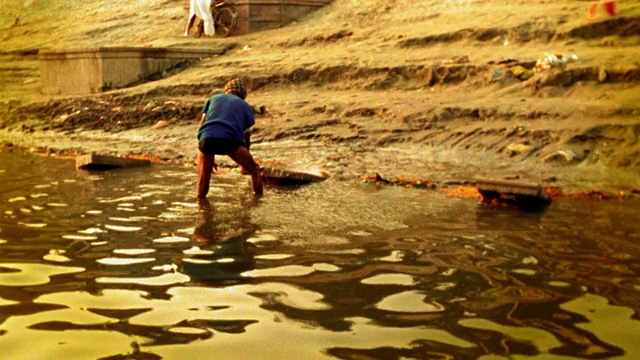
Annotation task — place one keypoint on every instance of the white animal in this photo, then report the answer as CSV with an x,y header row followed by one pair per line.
x,y
201,9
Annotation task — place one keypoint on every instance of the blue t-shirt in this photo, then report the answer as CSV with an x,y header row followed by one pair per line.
x,y
227,117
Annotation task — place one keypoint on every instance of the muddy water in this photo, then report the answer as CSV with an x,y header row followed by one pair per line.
x,y
127,264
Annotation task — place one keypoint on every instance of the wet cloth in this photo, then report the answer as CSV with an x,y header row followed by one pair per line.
x,y
227,117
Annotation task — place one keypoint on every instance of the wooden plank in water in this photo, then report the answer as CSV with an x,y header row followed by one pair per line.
x,y
522,193
510,187
285,176
106,162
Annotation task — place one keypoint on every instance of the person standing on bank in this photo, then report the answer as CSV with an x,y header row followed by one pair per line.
x,y
225,129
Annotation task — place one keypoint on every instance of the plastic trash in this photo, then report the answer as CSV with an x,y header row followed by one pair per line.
x,y
521,73
553,60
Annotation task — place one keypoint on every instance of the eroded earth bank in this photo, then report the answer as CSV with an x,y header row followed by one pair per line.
x,y
437,91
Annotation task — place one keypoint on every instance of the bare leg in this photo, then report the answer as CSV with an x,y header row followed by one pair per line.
x,y
192,19
243,157
205,168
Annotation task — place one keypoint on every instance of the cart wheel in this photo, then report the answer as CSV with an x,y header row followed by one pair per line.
x,y
225,20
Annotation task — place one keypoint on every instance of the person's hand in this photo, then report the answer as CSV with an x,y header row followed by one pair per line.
x,y
214,168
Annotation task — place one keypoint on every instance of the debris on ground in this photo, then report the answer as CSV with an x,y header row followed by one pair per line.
x,y
462,192
401,181
110,113
521,73
562,156
462,59
518,149
160,124
553,60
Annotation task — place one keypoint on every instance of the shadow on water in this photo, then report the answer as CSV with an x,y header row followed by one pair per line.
x,y
220,257
128,264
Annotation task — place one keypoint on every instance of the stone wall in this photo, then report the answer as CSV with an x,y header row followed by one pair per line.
x,y
257,15
93,70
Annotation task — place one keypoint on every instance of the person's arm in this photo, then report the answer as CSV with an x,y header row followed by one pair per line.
x,y
251,123
247,138
203,118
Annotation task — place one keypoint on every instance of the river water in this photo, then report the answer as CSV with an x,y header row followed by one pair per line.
x,y
126,264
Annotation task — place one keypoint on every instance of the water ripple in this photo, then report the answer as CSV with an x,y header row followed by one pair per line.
x,y
160,280
290,270
17,274
409,302
350,271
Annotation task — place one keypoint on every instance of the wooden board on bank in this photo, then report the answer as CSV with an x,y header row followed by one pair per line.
x,y
290,177
106,162
521,193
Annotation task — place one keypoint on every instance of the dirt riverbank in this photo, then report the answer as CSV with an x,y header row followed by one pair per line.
x,y
412,89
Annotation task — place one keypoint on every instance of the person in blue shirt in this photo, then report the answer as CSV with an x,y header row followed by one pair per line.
x,y
225,129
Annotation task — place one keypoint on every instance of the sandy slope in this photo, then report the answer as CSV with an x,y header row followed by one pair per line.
x,y
407,88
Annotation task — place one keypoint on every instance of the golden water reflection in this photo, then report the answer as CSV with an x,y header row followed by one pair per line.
x,y
17,274
134,266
